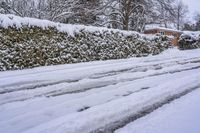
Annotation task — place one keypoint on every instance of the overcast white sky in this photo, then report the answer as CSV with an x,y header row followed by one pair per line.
x,y
194,5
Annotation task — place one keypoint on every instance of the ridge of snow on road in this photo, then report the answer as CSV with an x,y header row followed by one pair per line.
x,y
94,96
181,116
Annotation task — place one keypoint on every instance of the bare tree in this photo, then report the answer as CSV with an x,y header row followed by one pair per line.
x,y
126,14
197,16
164,12
87,12
181,11
70,11
7,8
120,14
197,23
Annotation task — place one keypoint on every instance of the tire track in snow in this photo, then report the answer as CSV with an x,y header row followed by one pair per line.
x,y
27,86
145,68
98,119
111,128
108,83
33,86
97,85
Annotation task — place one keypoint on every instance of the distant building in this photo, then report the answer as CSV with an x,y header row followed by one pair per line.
x,y
165,31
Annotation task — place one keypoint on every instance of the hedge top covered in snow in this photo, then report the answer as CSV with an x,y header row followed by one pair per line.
x,y
194,34
9,20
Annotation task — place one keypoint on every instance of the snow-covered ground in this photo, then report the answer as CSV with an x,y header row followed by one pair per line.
x,y
103,96
181,116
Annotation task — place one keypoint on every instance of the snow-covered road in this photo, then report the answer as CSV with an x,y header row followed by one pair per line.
x,y
96,97
180,116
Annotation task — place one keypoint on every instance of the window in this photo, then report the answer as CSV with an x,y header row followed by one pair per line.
x,y
162,32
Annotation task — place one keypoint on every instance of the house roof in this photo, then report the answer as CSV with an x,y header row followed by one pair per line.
x,y
162,28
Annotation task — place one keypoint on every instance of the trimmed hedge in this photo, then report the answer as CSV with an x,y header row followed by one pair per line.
x,y
188,42
32,47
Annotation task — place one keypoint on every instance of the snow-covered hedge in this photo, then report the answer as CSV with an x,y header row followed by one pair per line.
x,y
189,40
27,43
